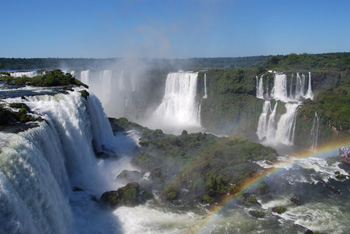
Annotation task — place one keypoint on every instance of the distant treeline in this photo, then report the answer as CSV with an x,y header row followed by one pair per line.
x,y
336,61
83,63
328,61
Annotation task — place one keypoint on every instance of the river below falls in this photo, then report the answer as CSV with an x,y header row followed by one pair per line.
x,y
324,205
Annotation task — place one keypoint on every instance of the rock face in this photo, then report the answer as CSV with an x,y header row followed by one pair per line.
x,y
125,196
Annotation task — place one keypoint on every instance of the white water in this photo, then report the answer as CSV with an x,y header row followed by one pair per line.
x,y
314,133
205,87
262,124
260,87
84,77
271,125
286,125
113,88
179,108
309,93
279,90
20,74
283,131
39,167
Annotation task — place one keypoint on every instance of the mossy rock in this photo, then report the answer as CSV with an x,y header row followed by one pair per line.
x,y
295,200
279,209
84,94
257,213
340,176
251,200
19,105
124,196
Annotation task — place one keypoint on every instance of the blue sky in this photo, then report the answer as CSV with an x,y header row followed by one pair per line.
x,y
172,29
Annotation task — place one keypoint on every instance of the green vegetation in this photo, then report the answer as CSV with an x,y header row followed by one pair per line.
x,y
206,166
328,61
279,209
23,115
232,105
84,94
203,164
5,115
173,64
257,213
124,196
340,176
50,78
333,109
251,200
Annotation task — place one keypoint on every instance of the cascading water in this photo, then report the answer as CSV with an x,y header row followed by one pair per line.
x,y
279,90
262,124
283,131
178,109
271,128
84,77
20,74
38,167
286,125
205,86
309,93
260,87
111,88
314,133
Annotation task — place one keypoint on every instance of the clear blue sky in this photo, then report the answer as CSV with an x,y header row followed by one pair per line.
x,y
172,29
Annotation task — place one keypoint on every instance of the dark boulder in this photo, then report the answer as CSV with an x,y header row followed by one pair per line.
x,y
124,196
279,209
296,200
257,213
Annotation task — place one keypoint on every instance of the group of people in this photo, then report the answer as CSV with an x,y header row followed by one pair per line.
x,y
344,152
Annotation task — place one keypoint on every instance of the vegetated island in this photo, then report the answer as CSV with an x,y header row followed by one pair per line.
x,y
190,167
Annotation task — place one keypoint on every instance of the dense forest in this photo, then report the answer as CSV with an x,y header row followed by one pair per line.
x,y
89,63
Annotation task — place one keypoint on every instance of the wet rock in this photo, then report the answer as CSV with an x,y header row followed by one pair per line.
x,y
332,188
296,200
279,209
257,213
125,196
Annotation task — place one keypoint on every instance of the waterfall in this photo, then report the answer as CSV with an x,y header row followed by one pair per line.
x,y
259,87
262,124
314,133
286,125
133,83
20,74
279,90
104,89
309,93
291,96
298,87
121,81
291,87
205,87
38,167
84,77
267,89
179,108
271,128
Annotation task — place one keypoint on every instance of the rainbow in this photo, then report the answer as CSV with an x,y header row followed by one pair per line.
x,y
322,151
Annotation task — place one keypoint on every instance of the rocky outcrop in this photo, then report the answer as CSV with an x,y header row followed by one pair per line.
x,y
129,195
